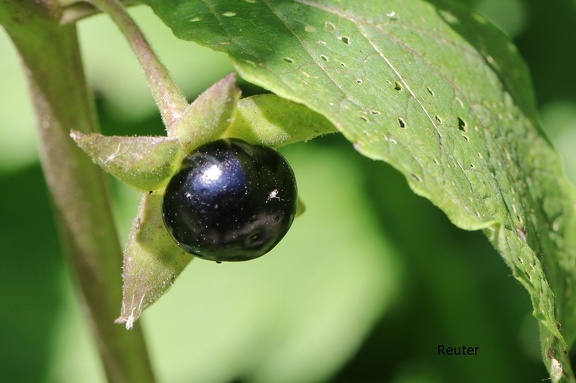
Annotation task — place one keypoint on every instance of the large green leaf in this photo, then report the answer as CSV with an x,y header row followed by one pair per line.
x,y
441,95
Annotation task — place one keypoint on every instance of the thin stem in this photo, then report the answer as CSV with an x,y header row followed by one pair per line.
x,y
51,59
167,95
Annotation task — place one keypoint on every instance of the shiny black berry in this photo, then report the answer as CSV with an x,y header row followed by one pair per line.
x,y
230,201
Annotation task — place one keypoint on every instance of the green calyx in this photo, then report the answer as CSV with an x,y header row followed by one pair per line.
x,y
147,163
152,260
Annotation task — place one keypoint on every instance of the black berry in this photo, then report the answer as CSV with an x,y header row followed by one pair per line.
x,y
230,201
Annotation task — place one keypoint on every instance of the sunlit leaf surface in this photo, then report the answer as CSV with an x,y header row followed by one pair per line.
x,y
438,93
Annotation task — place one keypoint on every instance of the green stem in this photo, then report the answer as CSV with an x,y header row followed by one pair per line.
x,y
51,59
167,95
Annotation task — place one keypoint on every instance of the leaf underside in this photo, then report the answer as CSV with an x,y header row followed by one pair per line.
x,y
438,93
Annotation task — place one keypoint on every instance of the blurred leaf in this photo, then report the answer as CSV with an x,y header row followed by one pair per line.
x,y
18,146
560,120
437,92
31,267
510,16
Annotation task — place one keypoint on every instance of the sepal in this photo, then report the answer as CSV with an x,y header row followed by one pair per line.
x,y
145,163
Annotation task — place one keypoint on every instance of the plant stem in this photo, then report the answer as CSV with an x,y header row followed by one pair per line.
x,y
51,59
167,95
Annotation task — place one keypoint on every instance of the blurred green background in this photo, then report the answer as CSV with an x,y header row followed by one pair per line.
x,y
367,284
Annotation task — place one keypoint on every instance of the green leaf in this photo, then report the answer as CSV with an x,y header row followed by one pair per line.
x,y
441,95
142,162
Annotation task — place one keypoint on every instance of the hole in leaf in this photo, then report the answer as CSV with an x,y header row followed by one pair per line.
x,y
438,119
344,39
466,137
401,122
374,112
461,124
397,86
417,178
359,81
324,58
342,64
365,119
288,60
430,91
